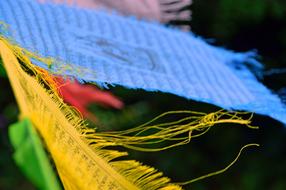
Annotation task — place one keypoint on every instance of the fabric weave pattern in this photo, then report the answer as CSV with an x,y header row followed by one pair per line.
x,y
110,49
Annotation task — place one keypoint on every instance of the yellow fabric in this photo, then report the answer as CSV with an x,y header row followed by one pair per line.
x,y
79,166
81,156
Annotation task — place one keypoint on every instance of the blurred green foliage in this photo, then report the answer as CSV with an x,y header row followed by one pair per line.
x,y
2,70
243,25
231,15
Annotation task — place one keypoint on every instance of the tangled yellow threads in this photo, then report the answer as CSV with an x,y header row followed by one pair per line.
x,y
81,154
177,132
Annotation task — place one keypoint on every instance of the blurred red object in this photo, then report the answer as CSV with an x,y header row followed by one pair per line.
x,y
80,96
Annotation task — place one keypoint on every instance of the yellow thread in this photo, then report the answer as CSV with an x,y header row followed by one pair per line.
x,y
80,154
79,165
176,132
219,171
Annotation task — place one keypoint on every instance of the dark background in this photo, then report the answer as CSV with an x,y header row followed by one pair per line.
x,y
240,25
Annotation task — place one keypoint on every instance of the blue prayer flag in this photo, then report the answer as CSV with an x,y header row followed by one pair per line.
x,y
109,49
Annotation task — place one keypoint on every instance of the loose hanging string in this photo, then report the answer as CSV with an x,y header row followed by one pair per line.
x,y
132,138
219,171
177,132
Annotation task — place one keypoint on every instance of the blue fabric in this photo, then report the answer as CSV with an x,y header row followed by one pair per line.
x,y
110,49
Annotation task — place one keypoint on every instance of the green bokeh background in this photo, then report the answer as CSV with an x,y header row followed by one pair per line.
x,y
240,25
